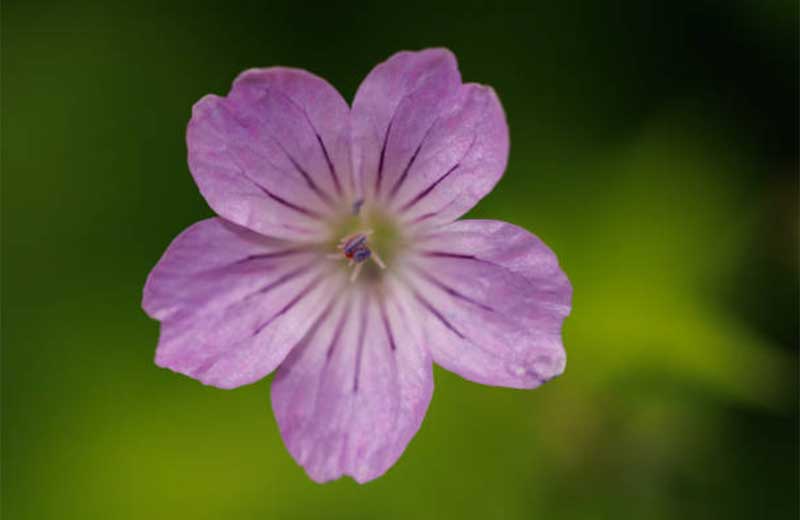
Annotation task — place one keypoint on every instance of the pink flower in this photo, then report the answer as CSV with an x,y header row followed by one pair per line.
x,y
337,258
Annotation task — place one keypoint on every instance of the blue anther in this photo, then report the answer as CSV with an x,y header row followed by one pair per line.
x,y
361,254
353,244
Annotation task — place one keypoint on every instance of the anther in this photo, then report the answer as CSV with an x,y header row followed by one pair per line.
x,y
354,248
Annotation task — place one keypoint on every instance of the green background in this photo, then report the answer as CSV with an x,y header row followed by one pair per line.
x,y
654,148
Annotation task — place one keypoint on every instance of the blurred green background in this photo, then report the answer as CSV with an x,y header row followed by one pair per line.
x,y
654,148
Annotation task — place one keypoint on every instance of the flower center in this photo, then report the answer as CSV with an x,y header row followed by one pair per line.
x,y
367,238
354,248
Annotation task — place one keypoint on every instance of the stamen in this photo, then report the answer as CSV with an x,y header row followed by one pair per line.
x,y
377,260
355,272
355,249
354,245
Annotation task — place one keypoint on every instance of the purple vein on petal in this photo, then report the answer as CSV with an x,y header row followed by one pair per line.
x,y
438,314
281,280
460,256
303,173
273,254
281,200
286,308
449,290
309,181
331,169
361,333
338,332
312,331
379,177
246,126
430,214
402,177
424,193
386,326
443,254
424,217
270,286
400,180
251,258
211,361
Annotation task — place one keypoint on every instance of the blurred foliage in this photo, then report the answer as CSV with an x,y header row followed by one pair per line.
x,y
654,147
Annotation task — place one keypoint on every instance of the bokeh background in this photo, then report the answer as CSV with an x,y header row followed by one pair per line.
x,y
654,147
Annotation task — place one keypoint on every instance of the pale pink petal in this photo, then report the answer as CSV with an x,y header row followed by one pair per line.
x,y
425,145
428,76
351,396
495,300
232,303
273,155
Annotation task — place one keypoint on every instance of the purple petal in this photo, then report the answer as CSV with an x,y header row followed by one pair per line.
x,y
429,145
351,396
232,303
273,155
495,300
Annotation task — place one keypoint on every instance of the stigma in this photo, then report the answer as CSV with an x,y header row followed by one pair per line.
x,y
355,249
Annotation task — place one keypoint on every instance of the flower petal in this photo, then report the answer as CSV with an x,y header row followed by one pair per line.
x,y
424,142
351,396
495,300
232,303
273,155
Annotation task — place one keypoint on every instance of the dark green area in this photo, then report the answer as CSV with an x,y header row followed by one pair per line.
x,y
654,148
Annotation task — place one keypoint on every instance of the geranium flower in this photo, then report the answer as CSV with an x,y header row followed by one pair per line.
x,y
337,258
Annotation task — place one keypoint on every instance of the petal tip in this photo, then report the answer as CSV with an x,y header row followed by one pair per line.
x,y
359,477
442,53
201,374
202,105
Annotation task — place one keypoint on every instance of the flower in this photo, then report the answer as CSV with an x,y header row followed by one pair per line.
x,y
337,258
